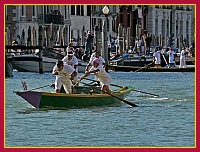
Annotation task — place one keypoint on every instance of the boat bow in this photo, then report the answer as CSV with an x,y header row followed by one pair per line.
x,y
32,97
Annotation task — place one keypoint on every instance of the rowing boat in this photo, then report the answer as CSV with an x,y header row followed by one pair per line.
x,y
82,99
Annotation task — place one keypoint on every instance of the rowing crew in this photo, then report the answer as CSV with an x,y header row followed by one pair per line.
x,y
65,73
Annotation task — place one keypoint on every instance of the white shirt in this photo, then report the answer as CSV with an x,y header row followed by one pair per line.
x,y
94,57
182,54
75,43
72,62
101,74
138,43
157,57
171,56
65,72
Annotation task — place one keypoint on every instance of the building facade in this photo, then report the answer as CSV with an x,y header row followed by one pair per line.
x,y
172,22
51,25
163,22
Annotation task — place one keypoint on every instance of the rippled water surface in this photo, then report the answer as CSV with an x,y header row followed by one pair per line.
x,y
167,120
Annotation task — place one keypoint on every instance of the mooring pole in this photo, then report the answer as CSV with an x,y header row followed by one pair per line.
x,y
41,61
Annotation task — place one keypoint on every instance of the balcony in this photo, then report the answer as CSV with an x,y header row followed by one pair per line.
x,y
54,18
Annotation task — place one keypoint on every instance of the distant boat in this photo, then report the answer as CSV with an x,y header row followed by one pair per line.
x,y
82,99
8,69
141,61
131,60
30,63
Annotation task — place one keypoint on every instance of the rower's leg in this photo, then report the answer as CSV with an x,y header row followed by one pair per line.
x,y
106,89
58,85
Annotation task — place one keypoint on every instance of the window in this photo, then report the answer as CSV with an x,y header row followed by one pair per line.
x,y
113,26
128,20
121,18
23,10
145,22
48,10
72,9
156,26
129,9
65,12
107,20
188,8
114,9
44,9
181,27
94,8
100,24
72,34
93,22
78,10
187,32
187,27
163,27
82,10
167,27
176,27
88,10
33,11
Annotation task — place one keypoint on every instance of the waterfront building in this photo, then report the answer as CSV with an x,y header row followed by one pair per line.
x,y
50,25
169,25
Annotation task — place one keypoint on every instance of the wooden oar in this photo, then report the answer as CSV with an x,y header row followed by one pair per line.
x,y
40,87
125,101
144,67
145,92
122,87
165,60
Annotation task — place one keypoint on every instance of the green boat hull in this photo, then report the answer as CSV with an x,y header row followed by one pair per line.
x,y
62,100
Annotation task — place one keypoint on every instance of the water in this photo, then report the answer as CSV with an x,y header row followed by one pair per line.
x,y
167,120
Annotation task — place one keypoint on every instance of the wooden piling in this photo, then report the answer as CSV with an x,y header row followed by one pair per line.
x,y
41,61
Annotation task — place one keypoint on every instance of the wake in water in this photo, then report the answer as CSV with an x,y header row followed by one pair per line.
x,y
158,98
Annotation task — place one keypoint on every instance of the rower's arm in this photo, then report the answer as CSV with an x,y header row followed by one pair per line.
x,y
73,74
88,73
55,72
87,67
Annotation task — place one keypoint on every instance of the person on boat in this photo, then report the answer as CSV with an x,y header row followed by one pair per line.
x,y
103,77
71,60
156,57
94,56
182,59
89,42
138,45
171,54
69,48
148,40
64,74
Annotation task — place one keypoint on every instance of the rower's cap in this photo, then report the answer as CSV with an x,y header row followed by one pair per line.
x,y
98,53
69,53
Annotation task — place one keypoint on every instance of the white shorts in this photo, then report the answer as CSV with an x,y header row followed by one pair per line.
x,y
67,84
106,81
157,62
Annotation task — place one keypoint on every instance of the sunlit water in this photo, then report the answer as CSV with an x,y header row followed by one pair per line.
x,y
167,120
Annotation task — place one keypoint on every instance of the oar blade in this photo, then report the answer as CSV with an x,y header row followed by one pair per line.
x,y
130,103
146,93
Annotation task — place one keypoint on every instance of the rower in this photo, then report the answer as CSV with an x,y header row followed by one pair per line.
x,y
103,77
64,73
71,60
